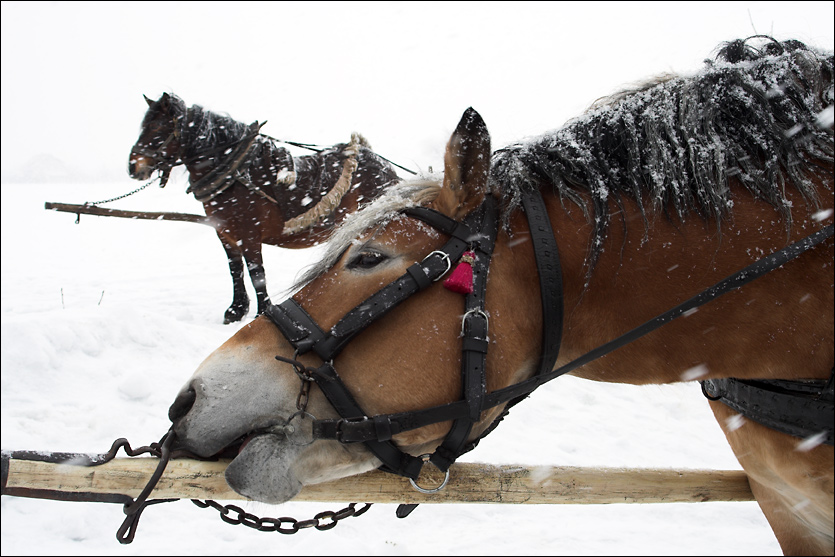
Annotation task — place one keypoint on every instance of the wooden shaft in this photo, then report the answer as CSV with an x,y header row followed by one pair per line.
x,y
143,215
468,483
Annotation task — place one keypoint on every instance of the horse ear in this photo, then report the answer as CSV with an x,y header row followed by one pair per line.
x,y
149,101
466,165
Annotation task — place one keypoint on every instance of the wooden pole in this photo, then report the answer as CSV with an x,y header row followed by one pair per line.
x,y
468,483
143,215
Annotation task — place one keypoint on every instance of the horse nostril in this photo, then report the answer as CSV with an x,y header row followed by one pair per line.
x,y
182,404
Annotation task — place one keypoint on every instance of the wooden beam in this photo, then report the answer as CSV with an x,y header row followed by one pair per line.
x,y
142,215
468,483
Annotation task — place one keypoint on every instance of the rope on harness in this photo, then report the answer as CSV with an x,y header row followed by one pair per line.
x,y
331,200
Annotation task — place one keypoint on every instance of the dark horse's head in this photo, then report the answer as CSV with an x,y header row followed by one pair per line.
x,y
160,139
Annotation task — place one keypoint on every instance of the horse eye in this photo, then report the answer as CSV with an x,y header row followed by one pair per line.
x,y
366,259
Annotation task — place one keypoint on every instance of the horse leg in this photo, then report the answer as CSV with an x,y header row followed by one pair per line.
x,y
240,300
254,262
793,486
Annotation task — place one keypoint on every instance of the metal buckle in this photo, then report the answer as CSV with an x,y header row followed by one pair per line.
x,y
476,311
425,458
444,255
348,420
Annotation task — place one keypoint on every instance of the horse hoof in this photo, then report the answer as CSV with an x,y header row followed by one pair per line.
x,y
234,314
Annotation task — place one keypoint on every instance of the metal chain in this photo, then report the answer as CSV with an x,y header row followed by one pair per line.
x,y
323,521
268,524
140,188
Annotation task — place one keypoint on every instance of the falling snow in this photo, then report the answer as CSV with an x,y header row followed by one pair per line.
x,y
104,321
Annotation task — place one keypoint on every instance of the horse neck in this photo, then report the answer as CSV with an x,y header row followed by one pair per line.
x,y
764,330
206,136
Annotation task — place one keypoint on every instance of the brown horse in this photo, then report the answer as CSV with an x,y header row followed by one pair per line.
x,y
704,175
255,191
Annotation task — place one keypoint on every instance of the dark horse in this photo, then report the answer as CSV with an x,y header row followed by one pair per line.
x,y
716,188
254,191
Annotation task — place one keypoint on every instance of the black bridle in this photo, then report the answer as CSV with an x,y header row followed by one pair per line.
x,y
165,163
376,431
477,233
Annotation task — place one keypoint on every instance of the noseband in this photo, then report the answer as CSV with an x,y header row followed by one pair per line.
x,y
476,233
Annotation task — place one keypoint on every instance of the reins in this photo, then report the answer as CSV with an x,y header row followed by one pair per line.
x,y
318,149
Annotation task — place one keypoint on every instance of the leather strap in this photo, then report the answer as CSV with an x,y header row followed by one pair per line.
x,y
799,408
474,344
550,277
338,395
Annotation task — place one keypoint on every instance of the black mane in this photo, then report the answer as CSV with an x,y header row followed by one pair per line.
x,y
204,131
753,113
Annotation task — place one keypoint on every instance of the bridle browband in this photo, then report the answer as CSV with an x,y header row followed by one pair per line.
x,y
376,431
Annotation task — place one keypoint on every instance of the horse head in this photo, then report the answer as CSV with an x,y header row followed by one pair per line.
x,y
242,398
160,139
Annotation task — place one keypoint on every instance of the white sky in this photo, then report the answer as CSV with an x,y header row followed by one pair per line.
x,y
401,73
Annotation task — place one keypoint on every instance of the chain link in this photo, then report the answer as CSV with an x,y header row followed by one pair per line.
x,y
233,514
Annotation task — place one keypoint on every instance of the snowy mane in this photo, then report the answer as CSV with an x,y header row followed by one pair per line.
x,y
202,130
754,114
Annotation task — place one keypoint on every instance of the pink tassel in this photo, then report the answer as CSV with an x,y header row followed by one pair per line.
x,y
461,279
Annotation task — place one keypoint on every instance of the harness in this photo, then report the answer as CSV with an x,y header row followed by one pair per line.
x,y
477,233
232,169
800,408
237,156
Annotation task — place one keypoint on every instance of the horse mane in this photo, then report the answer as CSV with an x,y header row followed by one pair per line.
x,y
378,213
757,114
203,130
753,113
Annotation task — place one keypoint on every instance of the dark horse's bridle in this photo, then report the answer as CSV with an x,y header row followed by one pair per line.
x,y
477,233
161,162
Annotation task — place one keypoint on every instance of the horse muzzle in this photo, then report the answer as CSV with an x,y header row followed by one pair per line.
x,y
140,167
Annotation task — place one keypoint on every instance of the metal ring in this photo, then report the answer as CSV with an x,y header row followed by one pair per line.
x,y
425,458
444,255
473,311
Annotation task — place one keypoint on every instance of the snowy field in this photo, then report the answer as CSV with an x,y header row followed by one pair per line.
x,y
104,321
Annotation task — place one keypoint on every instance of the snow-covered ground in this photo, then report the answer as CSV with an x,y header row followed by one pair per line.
x,y
102,322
